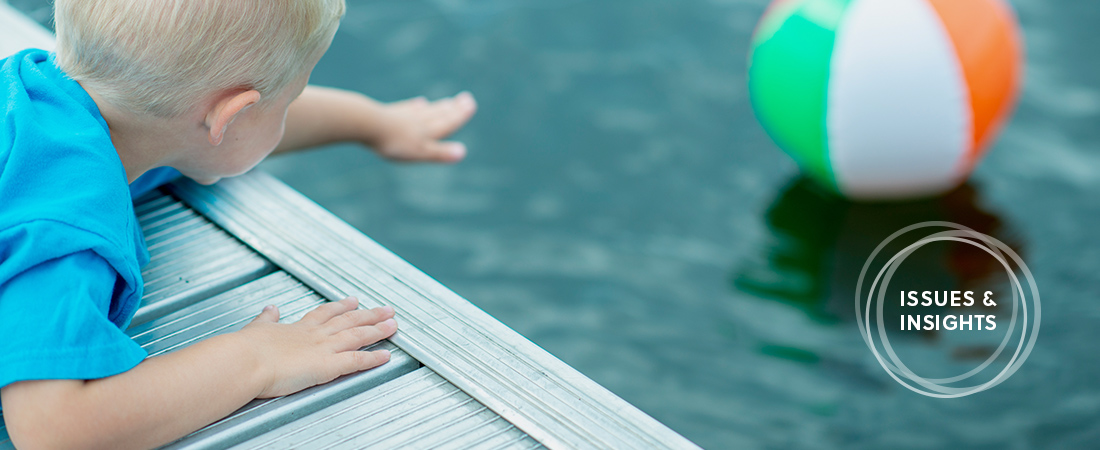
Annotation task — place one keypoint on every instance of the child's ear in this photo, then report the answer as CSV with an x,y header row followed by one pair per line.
x,y
226,110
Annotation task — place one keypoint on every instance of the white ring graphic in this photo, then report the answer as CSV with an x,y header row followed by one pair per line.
x,y
937,387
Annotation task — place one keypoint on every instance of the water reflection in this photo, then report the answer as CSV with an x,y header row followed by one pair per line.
x,y
818,242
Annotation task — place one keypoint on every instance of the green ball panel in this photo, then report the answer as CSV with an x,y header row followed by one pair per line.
x,y
789,79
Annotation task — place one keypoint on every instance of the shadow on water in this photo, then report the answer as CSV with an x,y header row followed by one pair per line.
x,y
817,244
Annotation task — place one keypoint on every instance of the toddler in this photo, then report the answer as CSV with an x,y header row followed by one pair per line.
x,y
139,92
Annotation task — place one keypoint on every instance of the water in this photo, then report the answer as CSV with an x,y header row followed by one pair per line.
x,y
621,208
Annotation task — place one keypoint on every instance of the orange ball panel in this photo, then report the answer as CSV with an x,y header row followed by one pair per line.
x,y
987,42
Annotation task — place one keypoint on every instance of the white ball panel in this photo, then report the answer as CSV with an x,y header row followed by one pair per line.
x,y
898,115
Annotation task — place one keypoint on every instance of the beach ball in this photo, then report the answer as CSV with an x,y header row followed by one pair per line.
x,y
885,99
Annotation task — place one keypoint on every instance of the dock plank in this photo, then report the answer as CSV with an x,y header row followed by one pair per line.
x,y
418,410
190,258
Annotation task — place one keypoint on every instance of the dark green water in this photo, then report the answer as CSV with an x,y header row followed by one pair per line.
x,y
622,208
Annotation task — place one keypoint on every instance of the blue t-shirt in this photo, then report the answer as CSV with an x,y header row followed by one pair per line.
x,y
70,246
152,179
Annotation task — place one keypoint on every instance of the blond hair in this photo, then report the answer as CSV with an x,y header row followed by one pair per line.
x,y
162,56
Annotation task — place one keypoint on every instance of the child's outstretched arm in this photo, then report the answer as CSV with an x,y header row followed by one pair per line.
x,y
409,130
167,397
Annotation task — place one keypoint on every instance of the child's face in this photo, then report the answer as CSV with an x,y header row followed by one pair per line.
x,y
252,135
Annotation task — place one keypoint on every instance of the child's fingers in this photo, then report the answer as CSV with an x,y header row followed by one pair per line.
x,y
443,151
451,114
358,361
327,311
463,102
359,317
270,314
359,337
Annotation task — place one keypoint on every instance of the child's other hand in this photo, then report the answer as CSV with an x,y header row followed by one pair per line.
x,y
319,348
414,128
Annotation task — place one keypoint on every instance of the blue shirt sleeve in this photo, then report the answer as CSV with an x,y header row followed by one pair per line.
x,y
54,322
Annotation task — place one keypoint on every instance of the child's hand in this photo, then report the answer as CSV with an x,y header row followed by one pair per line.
x,y
414,128
319,348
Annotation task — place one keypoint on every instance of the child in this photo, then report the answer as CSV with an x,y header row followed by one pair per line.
x,y
138,90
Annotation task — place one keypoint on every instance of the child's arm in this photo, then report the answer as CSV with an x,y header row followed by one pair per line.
x,y
409,130
167,397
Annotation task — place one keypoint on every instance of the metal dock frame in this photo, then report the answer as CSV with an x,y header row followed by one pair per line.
x,y
526,386
457,378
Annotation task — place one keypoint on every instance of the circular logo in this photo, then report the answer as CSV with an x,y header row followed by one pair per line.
x,y
876,296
